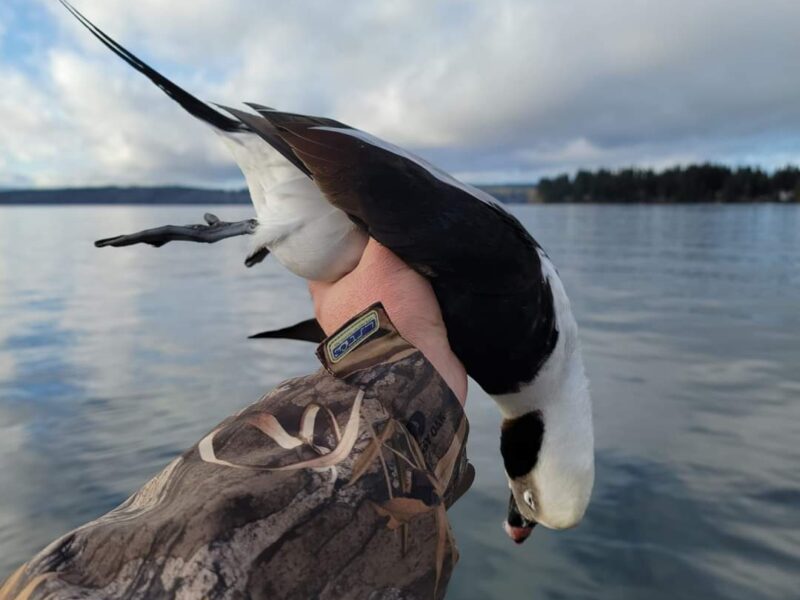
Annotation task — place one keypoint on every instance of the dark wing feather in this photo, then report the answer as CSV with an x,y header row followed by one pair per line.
x,y
435,224
256,106
266,131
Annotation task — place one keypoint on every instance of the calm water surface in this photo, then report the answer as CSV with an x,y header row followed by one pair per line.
x,y
114,361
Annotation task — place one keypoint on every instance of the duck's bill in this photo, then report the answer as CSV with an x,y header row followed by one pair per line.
x,y
516,526
517,534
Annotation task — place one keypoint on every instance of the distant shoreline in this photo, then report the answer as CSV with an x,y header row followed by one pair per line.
x,y
157,196
690,184
179,195
123,196
693,184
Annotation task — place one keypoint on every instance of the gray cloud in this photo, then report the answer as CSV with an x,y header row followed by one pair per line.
x,y
493,91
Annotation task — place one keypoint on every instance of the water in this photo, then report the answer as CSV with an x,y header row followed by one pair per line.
x,y
113,361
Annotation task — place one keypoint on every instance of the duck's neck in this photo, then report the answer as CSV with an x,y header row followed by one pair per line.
x,y
549,454
560,388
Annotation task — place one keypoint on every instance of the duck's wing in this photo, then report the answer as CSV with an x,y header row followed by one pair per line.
x,y
437,224
485,268
263,165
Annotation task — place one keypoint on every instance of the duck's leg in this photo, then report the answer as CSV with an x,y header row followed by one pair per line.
x,y
212,231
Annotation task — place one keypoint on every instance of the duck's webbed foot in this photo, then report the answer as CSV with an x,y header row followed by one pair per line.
x,y
212,231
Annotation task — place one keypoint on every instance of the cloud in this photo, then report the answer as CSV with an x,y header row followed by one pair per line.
x,y
125,132
503,90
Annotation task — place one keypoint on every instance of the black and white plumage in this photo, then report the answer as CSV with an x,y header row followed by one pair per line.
x,y
320,188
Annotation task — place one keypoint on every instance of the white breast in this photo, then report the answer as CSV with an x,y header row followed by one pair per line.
x,y
304,232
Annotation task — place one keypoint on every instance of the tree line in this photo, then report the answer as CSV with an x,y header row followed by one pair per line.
x,y
695,183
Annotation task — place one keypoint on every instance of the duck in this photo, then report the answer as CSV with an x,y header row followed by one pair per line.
x,y
321,189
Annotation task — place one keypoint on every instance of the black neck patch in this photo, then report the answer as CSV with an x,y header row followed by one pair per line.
x,y
520,442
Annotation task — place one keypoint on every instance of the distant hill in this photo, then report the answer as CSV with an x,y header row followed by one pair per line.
x,y
689,184
184,195
125,195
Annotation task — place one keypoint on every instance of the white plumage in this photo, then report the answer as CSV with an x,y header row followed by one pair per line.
x,y
307,235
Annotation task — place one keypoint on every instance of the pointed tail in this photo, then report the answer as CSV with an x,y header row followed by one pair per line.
x,y
195,107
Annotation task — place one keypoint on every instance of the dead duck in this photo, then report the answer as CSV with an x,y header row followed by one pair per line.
x,y
320,188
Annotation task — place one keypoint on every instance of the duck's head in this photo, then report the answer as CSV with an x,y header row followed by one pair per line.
x,y
548,455
547,439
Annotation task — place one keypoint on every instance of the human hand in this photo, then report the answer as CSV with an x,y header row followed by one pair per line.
x,y
409,301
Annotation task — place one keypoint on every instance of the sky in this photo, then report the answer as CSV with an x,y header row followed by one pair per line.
x,y
500,91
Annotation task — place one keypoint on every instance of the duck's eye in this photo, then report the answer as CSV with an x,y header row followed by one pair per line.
x,y
528,497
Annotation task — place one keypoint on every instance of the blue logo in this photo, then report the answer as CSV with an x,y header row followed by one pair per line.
x,y
353,336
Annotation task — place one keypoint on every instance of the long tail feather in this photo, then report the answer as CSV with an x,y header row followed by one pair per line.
x,y
194,106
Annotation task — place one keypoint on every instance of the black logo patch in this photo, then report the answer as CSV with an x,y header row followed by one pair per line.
x,y
436,426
